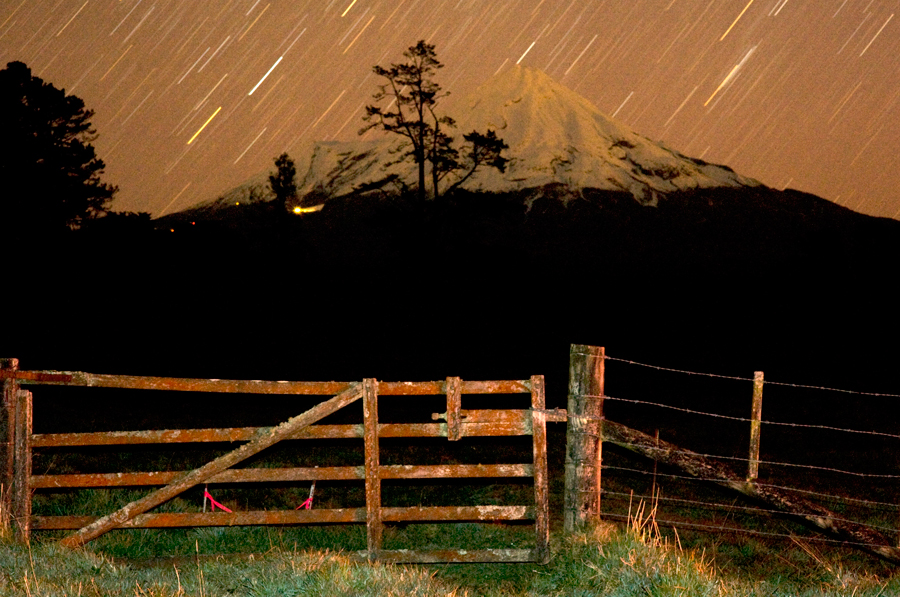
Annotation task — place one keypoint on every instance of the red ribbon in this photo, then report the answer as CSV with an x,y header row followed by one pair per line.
x,y
214,502
308,502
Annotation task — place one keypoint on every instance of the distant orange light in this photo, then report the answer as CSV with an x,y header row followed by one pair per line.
x,y
307,210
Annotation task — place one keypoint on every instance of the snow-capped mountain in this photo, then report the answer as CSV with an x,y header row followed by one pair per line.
x,y
555,137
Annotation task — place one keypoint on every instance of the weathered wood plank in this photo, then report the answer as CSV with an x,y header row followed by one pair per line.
x,y
264,439
489,422
180,384
318,388
438,471
512,425
175,436
157,520
280,517
434,388
12,373
457,513
10,388
21,494
410,556
374,526
454,404
263,475
541,482
246,475
511,416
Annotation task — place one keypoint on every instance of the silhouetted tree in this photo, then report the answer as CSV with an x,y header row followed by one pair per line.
x,y
411,114
50,171
283,180
484,149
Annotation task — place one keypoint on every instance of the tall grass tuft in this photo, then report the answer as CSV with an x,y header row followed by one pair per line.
x,y
635,561
5,529
608,561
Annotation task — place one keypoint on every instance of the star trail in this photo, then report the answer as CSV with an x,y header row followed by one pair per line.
x,y
193,98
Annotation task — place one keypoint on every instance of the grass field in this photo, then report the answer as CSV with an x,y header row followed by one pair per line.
x,y
632,559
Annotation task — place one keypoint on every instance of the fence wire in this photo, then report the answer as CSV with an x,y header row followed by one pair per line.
x,y
766,462
829,497
745,419
728,507
871,505
676,524
738,378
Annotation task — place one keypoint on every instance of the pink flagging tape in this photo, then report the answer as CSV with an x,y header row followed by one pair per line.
x,y
308,502
207,495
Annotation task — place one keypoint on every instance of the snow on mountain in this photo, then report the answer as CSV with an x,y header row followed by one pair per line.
x,y
555,136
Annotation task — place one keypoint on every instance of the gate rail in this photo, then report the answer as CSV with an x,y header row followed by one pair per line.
x,y
455,423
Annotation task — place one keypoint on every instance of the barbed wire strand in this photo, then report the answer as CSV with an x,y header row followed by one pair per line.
x,y
759,461
766,462
719,506
744,419
828,496
721,528
734,377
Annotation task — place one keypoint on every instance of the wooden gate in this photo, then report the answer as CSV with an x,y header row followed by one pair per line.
x,y
454,424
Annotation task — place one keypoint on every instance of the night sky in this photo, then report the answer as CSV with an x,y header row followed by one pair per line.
x,y
193,97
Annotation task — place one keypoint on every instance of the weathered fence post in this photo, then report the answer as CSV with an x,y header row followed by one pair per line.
x,y
584,436
7,437
20,512
454,404
755,420
374,524
541,483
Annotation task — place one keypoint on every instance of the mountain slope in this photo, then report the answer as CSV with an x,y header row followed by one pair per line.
x,y
555,137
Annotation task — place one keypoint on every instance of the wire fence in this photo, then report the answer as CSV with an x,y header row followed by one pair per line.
x,y
771,383
834,460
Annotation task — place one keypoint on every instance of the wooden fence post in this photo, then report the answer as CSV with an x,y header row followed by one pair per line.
x,y
541,483
454,404
20,511
584,436
7,438
374,523
755,420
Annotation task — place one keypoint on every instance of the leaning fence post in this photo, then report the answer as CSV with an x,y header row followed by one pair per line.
x,y
7,437
755,420
584,436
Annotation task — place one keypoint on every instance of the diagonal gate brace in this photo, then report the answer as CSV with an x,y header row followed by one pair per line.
x,y
263,438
